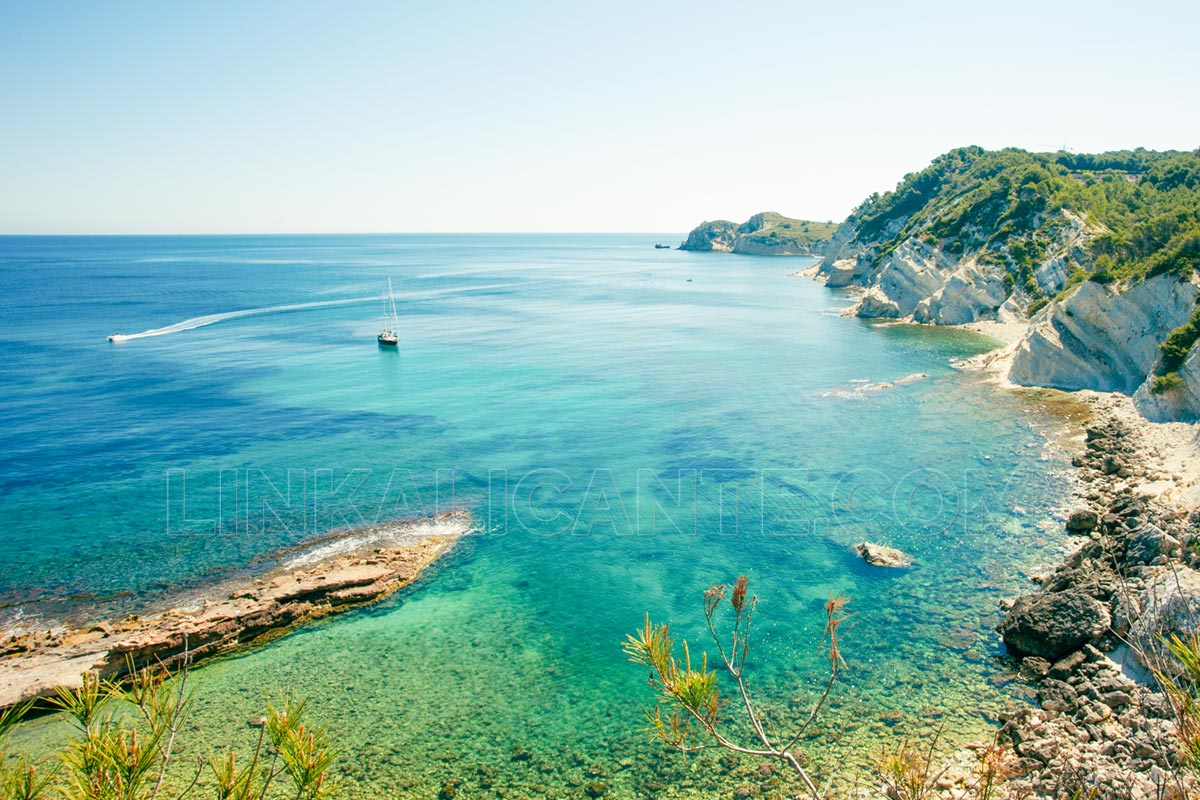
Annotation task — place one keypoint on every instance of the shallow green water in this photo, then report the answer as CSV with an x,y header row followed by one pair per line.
x,y
544,377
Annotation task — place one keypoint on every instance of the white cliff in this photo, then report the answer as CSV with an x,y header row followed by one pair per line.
x,y
1103,338
983,238
939,282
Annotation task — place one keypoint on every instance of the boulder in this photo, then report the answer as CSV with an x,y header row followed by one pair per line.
x,y
1082,521
1034,668
1149,542
1169,605
880,556
875,304
1051,625
1055,695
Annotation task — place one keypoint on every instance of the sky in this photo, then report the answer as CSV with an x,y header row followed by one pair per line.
x,y
364,116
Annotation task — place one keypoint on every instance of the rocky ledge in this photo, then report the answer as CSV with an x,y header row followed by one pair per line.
x,y
1089,641
342,571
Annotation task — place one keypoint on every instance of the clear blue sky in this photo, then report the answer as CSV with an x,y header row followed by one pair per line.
x,y
558,116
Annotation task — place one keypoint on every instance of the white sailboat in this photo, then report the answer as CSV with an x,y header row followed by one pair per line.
x,y
389,336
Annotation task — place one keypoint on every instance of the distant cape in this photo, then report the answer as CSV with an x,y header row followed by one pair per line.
x,y
764,234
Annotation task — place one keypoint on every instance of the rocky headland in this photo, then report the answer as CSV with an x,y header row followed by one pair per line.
x,y
335,573
1092,257
764,234
1091,293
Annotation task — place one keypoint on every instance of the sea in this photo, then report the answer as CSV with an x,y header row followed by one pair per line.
x,y
627,426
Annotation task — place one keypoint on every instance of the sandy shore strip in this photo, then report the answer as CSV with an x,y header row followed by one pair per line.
x,y
337,572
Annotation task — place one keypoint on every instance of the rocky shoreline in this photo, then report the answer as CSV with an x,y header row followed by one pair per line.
x,y
1087,641
342,571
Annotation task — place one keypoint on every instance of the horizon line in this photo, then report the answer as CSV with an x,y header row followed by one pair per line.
x,y
349,233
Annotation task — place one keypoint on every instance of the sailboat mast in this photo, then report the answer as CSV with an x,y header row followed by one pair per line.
x,y
392,297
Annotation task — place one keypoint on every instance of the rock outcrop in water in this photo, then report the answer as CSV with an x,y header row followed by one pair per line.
x,y
764,234
878,555
341,575
1004,235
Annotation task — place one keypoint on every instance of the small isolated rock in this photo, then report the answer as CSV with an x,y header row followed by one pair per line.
x,y
1082,521
1052,625
880,556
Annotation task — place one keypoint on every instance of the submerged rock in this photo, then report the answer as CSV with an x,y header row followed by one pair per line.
x,y
1051,625
881,556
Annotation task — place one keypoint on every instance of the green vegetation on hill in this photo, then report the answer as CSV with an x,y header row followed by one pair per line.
x,y
1003,207
1173,352
767,233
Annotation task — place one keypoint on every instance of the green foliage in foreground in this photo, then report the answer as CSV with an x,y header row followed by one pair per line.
x,y
124,740
1007,207
693,694
1179,677
697,715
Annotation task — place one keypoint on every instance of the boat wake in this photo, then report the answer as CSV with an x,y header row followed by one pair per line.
x,y
212,319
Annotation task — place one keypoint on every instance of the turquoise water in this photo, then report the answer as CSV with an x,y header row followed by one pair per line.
x,y
628,426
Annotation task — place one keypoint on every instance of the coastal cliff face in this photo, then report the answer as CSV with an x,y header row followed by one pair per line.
x,y
764,234
1107,338
924,278
1100,251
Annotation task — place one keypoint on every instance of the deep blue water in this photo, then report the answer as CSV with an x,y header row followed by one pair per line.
x,y
628,425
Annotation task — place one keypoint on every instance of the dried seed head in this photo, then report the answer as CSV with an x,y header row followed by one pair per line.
x,y
739,594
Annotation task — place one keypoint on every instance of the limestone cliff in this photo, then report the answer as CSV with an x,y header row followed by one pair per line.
x,y
1108,337
764,234
1101,251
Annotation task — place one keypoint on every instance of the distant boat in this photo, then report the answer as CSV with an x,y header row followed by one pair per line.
x,y
388,337
662,247
116,337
